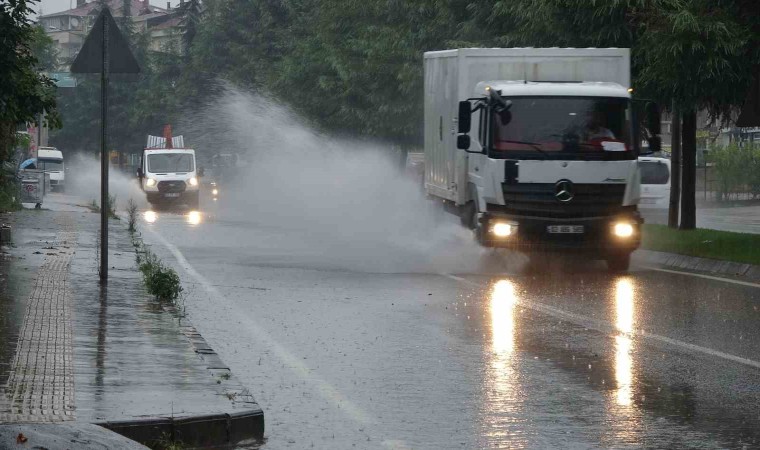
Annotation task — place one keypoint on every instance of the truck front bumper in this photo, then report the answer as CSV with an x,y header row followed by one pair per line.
x,y
589,235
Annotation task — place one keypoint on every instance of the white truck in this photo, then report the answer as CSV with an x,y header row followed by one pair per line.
x,y
536,148
168,172
50,159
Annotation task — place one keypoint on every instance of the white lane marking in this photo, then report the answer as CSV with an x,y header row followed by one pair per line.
x,y
325,389
607,327
708,277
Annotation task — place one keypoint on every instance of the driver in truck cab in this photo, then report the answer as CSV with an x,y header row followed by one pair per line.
x,y
594,128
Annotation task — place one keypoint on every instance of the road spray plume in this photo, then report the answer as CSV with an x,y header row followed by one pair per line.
x,y
348,201
83,180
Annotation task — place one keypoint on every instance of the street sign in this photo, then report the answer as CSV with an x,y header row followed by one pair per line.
x,y
63,79
90,57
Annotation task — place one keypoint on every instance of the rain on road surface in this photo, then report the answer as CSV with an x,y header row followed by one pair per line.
x,y
343,356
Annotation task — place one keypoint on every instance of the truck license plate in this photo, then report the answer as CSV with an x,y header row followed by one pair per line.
x,y
172,194
565,229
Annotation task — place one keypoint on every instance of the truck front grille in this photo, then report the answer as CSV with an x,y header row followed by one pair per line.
x,y
538,199
171,186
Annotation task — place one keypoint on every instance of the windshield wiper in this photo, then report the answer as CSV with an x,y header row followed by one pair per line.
x,y
535,146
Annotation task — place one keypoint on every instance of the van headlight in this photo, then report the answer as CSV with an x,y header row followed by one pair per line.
x,y
150,182
193,181
623,230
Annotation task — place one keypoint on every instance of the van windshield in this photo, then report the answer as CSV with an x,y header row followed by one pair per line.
x,y
563,128
170,162
51,165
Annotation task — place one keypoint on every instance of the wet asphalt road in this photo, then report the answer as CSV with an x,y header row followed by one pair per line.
x,y
363,349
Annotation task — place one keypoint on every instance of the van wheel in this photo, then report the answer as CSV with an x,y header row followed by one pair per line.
x,y
619,262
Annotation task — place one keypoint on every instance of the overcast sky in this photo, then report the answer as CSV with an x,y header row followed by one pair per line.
x,y
53,6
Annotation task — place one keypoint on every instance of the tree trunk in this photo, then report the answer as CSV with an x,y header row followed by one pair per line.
x,y
675,169
689,171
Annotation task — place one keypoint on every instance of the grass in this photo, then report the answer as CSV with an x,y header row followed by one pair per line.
x,y
713,244
111,204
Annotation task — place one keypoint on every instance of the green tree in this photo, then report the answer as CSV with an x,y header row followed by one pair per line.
x,y
24,92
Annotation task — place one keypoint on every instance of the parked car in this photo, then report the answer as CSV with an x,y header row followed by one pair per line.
x,y
655,182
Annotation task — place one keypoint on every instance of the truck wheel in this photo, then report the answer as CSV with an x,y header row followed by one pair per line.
x,y
619,262
194,201
469,216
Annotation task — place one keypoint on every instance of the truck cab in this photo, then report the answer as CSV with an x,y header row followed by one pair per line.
x,y
552,167
50,159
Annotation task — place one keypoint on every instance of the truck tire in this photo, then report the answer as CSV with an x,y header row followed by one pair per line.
x,y
469,215
619,262
194,201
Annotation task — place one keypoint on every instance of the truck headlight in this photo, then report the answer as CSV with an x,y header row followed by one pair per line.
x,y
503,229
150,182
623,230
215,191
193,181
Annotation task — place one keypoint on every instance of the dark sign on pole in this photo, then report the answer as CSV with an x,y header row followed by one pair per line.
x,y
105,51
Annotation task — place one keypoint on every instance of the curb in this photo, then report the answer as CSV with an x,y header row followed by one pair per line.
x,y
243,427
742,271
204,431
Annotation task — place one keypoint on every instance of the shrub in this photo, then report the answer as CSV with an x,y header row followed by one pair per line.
x,y
131,216
737,169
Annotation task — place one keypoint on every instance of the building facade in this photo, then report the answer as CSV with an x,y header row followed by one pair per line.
x,y
69,28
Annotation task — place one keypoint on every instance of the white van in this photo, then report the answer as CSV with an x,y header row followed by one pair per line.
x,y
50,159
655,182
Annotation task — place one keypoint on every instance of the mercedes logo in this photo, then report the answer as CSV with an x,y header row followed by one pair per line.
x,y
563,190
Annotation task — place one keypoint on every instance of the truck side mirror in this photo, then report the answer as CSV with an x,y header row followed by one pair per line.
x,y
463,142
653,118
140,173
464,122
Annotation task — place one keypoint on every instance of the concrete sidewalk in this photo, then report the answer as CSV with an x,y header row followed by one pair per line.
x,y
73,352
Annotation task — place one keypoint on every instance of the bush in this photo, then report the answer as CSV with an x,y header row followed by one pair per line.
x,y
131,216
737,170
160,281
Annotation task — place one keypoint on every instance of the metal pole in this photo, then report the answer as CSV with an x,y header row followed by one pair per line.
x,y
104,159
704,156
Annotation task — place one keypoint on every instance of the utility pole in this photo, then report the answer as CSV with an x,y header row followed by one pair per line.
x,y
104,158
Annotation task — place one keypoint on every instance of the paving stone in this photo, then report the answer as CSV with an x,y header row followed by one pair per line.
x,y
40,385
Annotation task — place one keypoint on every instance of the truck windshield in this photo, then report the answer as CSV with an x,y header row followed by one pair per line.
x,y
170,162
563,128
51,165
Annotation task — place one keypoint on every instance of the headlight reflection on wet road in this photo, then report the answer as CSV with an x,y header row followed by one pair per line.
x,y
502,385
624,322
194,217
503,303
150,216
